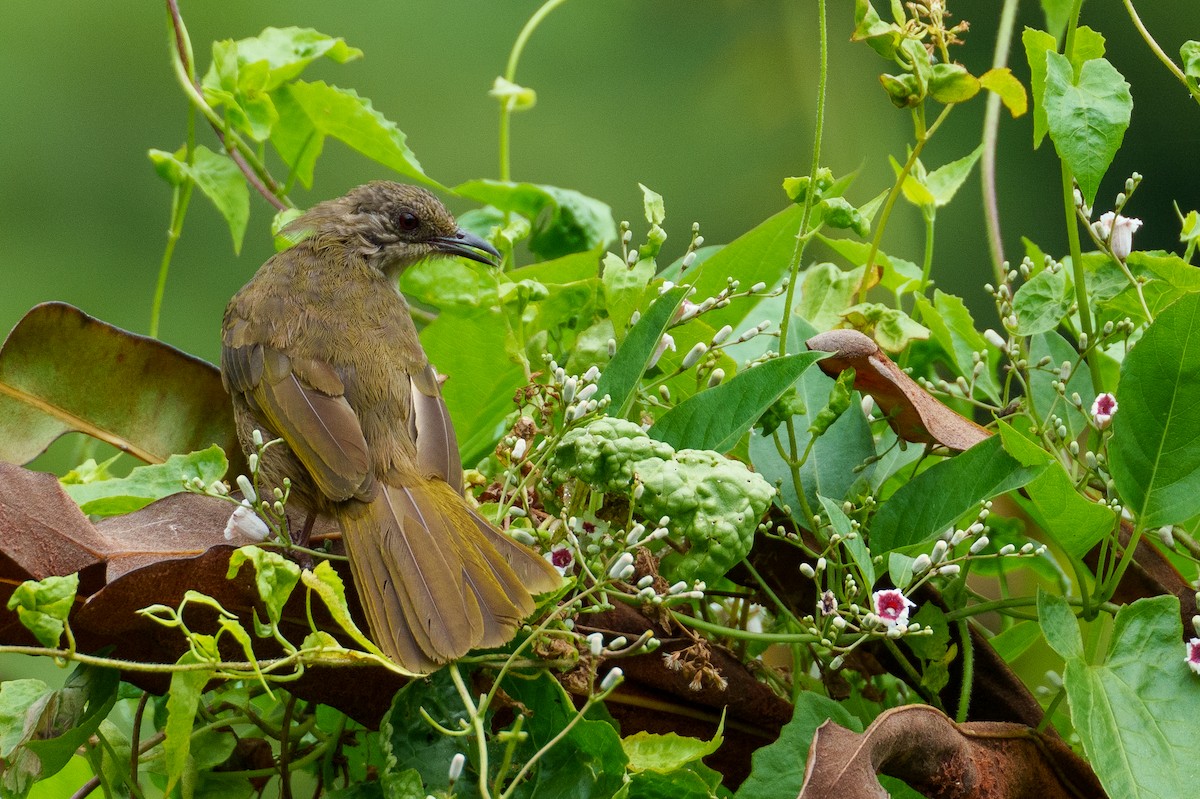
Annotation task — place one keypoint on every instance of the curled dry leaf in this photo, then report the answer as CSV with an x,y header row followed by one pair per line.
x,y
911,411
920,745
62,371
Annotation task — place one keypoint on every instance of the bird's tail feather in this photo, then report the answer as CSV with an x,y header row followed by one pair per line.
x,y
435,579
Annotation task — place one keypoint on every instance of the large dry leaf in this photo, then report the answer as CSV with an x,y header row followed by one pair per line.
x,y
911,410
63,371
918,744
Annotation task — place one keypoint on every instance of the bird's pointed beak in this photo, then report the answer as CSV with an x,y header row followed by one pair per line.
x,y
467,245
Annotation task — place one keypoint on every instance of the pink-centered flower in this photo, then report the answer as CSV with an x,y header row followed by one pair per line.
x,y
1193,655
1121,229
892,606
1103,410
562,559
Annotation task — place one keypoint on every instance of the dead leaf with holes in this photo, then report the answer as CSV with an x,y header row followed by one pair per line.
x,y
932,754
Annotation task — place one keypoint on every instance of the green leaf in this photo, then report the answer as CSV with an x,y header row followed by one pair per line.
x,y
717,417
892,328
952,327
834,469
284,51
1037,45
952,83
1089,45
934,500
777,769
946,180
620,378
43,606
1046,399
274,576
310,112
218,177
825,291
182,700
1059,625
1087,117
474,347
1155,466
1010,644
625,287
652,202
563,221
41,730
325,582
668,752
915,191
408,742
63,371
854,544
1136,712
883,37
145,484
1058,14
587,761
1001,81
1074,522
1189,54
1042,302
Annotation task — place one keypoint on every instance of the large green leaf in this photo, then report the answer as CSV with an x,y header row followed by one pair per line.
x,y
144,484
564,221
952,327
717,417
63,371
1155,462
621,376
474,348
309,112
930,503
1046,399
1087,116
1042,301
1136,712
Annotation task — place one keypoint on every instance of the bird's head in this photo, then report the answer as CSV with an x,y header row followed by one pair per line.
x,y
392,226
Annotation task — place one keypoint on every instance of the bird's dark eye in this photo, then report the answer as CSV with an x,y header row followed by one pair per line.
x,y
407,220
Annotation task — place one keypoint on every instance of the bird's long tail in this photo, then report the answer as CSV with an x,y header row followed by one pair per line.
x,y
435,579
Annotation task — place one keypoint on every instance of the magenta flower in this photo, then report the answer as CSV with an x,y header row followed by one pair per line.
x,y
1193,655
562,559
1103,410
892,606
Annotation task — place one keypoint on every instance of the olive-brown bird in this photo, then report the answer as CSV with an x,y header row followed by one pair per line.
x,y
319,349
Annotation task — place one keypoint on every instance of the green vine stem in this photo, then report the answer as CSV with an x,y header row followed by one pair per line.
x,y
510,75
1158,51
991,127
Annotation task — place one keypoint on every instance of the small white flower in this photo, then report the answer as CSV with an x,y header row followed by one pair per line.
x,y
245,523
1103,410
665,343
892,607
1121,229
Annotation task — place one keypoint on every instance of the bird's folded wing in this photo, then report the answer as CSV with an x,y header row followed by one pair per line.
x,y
302,401
431,428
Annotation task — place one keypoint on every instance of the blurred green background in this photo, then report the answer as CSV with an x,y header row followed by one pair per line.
x,y
710,103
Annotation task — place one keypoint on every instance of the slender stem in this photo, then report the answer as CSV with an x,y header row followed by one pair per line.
x,y
991,127
923,137
510,74
241,153
135,737
929,214
1158,52
806,215
968,671
476,714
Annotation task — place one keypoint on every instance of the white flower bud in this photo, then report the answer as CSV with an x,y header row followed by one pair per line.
x,y
688,260
612,679
716,377
245,523
694,355
518,450
247,490
979,545
721,335
456,766
807,571
595,644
